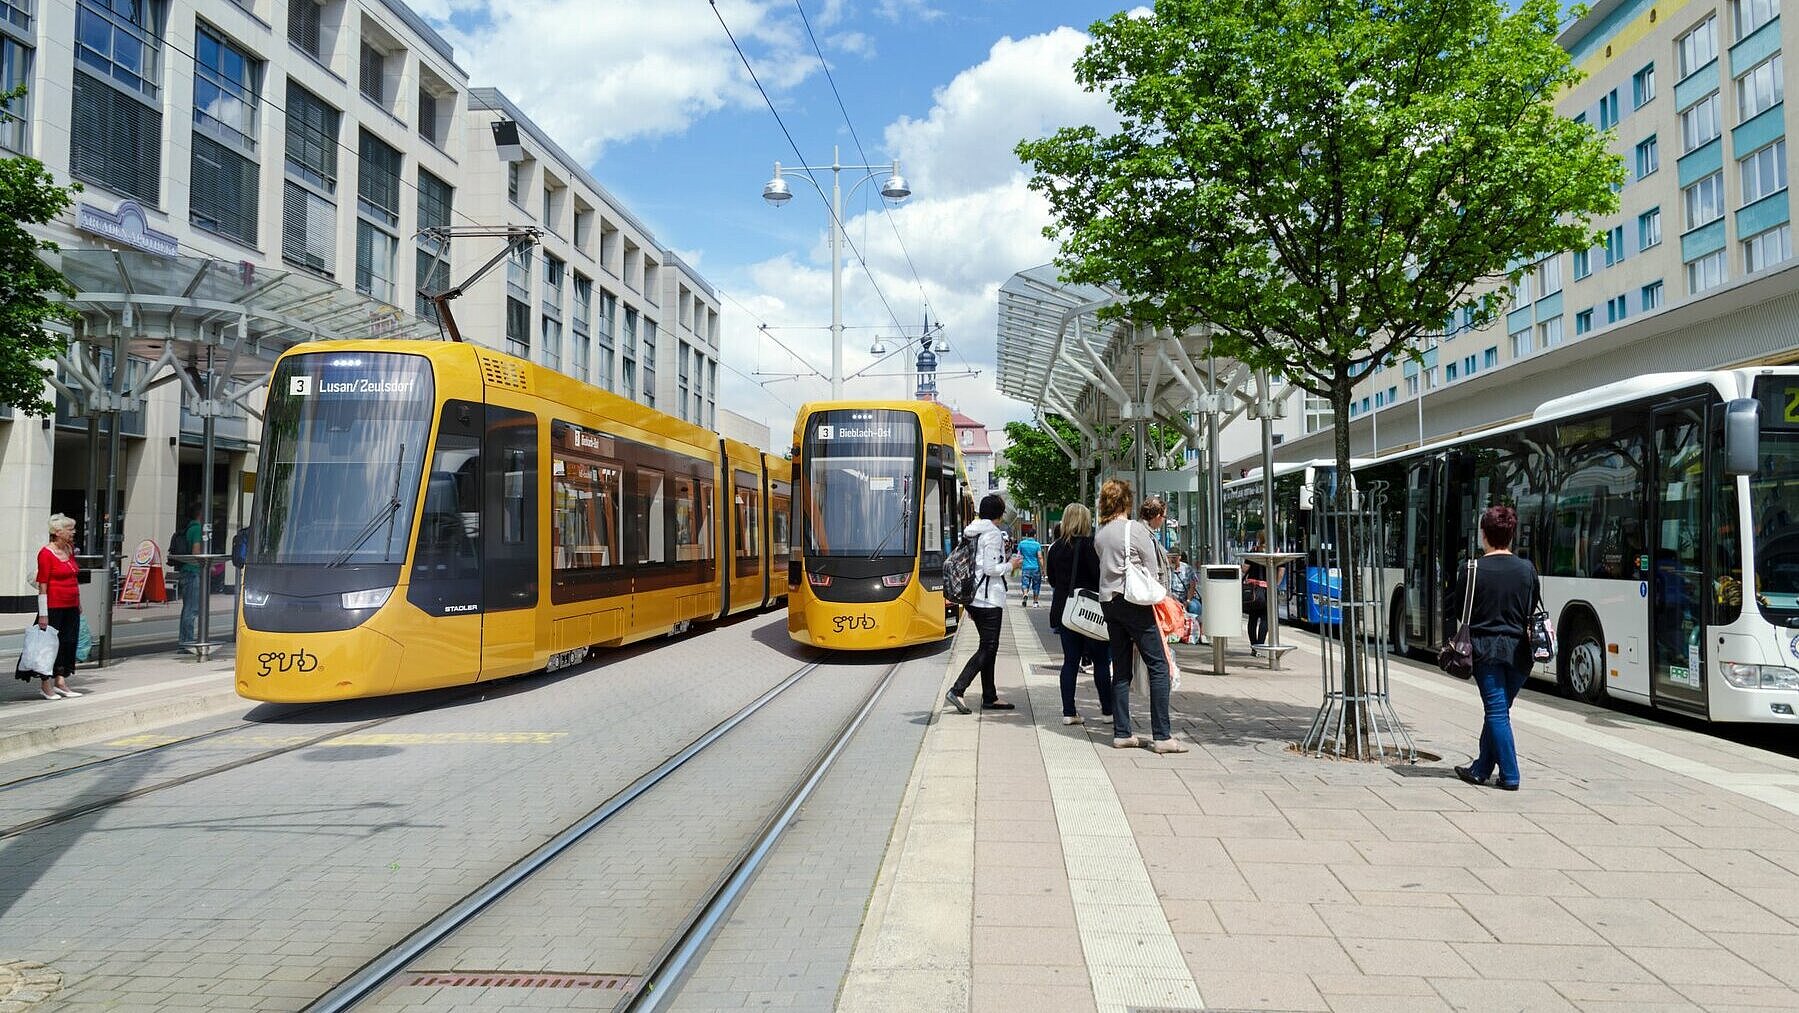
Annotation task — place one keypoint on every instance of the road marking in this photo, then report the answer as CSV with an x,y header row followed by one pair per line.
x,y
371,739
1132,957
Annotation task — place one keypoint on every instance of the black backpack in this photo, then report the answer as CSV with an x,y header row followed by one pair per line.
x,y
178,543
958,572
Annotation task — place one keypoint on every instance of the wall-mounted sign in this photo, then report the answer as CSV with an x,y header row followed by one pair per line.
x,y
127,225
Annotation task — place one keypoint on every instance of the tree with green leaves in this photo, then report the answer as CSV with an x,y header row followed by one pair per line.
x,y
1037,474
29,196
1320,184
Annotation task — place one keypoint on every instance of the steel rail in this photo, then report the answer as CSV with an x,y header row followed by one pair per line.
x,y
669,971
366,980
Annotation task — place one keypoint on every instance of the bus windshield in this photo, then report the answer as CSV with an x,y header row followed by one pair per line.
x,y
343,443
861,492
1774,504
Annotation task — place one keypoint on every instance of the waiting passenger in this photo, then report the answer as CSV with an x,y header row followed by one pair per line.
x,y
985,610
1074,565
1132,626
1506,590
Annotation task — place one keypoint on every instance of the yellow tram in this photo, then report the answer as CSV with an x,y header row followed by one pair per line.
x,y
879,501
434,515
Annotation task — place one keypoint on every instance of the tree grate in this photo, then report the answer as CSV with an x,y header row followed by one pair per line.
x,y
503,979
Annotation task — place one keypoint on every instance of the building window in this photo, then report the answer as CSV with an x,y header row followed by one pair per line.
x,y
1549,332
518,277
1549,277
1521,343
1411,386
1523,289
1449,373
116,135
1707,272
305,27
1705,201
552,342
1652,295
1698,47
649,362
121,41
1764,172
1765,249
1614,245
15,70
1649,157
1490,358
514,170
1699,123
1608,110
16,13
308,213
436,201
372,74
429,126
602,365
1583,264
553,270
1759,89
375,253
1469,365
1616,309
224,192
1583,322
582,325
1752,14
1642,86
518,328
1649,228
1380,399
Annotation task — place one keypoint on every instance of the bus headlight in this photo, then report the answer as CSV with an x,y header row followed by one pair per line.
x,y
1744,676
256,599
373,598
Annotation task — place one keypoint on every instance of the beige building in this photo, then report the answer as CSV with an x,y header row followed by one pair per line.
x,y
257,173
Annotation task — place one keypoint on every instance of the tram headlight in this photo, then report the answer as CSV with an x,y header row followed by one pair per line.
x,y
1744,676
818,579
896,580
373,598
255,599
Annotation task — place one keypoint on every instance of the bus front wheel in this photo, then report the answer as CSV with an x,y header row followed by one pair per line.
x,y
1583,665
1397,640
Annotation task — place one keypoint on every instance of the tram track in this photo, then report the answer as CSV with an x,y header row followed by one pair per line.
x,y
653,987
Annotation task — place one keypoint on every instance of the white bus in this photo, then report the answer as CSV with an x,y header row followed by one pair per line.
x,y
1648,506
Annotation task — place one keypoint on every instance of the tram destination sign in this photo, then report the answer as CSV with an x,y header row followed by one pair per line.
x,y
1779,396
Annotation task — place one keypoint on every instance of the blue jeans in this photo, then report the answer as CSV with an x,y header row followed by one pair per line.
x,y
190,606
1032,581
1133,627
1075,646
1499,685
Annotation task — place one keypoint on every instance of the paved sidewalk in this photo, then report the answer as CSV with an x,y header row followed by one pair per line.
x,y
1643,867
124,697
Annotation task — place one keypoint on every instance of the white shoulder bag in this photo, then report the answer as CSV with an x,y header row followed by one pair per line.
x,y
1140,586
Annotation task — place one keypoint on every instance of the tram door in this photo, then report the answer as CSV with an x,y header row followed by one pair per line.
x,y
1677,540
509,524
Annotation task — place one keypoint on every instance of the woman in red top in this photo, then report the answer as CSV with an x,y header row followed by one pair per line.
x,y
59,601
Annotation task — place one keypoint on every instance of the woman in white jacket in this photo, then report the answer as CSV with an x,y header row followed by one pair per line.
x,y
991,567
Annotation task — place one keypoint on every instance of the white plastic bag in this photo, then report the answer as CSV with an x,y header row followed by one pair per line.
x,y
39,652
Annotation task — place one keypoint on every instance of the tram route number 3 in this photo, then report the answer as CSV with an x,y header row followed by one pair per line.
x,y
842,624
269,662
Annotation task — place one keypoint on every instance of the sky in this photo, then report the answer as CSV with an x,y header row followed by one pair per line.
x,y
651,95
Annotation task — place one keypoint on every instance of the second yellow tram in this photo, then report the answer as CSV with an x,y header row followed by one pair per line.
x,y
879,500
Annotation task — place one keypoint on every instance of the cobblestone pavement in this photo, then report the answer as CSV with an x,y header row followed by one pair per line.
x,y
1645,865
260,887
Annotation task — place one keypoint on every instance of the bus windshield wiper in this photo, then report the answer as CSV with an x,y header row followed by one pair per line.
x,y
382,515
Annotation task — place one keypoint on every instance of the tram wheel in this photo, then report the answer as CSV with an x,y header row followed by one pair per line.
x,y
1583,666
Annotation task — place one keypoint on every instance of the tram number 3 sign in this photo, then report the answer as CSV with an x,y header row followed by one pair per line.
x,y
841,624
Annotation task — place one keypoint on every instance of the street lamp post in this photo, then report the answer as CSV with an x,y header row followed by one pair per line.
x,y
894,187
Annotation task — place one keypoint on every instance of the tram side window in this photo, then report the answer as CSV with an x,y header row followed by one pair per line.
x,y
1596,508
693,519
748,530
781,519
585,513
509,528
649,524
446,565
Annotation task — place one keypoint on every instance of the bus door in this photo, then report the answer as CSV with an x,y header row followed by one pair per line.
x,y
1677,537
1414,539
1458,532
509,525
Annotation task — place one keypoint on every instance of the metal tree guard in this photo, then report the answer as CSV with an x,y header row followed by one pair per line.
x,y
1359,724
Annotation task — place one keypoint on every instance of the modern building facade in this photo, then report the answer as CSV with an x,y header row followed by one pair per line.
x,y
257,173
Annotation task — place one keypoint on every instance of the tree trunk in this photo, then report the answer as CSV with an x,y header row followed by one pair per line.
x,y
1354,708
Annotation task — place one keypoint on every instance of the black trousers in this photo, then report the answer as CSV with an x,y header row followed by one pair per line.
x,y
986,623
67,623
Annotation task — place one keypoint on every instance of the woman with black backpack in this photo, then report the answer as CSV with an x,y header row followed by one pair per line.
x,y
987,606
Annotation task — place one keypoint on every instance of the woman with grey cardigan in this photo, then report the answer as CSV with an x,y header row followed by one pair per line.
x,y
1132,626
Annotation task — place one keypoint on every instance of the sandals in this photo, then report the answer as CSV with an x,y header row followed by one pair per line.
x,y
1128,742
1168,746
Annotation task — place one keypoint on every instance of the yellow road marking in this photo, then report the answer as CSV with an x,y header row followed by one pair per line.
x,y
370,739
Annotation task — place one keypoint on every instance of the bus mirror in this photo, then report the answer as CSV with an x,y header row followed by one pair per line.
x,y
1742,436
1305,496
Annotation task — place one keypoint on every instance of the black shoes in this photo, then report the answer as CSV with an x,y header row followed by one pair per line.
x,y
1468,775
955,700
998,705
1502,786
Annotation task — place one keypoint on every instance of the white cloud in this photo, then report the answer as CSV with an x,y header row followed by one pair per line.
x,y
625,69
971,224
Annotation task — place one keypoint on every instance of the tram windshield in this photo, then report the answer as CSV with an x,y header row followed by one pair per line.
x,y
343,443
861,492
